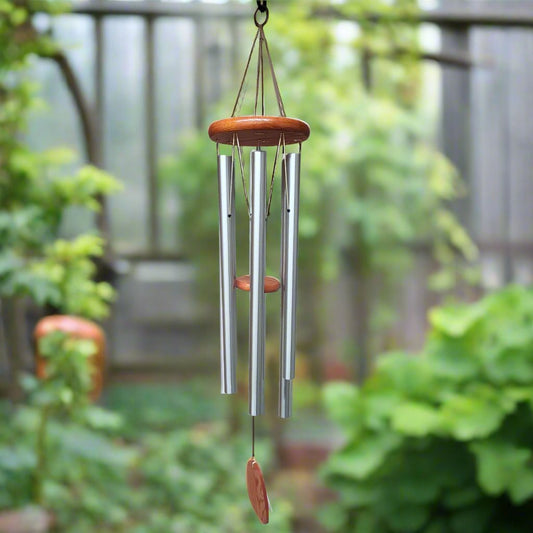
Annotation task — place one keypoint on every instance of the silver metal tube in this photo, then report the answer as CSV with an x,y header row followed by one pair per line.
x,y
290,201
228,320
257,323
285,398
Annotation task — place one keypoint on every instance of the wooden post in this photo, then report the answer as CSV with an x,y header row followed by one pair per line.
x,y
455,109
151,135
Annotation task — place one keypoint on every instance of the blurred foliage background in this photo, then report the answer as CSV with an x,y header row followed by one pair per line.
x,y
442,441
436,441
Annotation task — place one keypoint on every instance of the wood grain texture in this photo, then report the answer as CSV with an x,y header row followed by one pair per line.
x,y
257,130
257,493
77,328
272,284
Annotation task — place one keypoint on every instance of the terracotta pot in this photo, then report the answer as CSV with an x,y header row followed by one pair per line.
x,y
26,520
304,455
78,328
335,370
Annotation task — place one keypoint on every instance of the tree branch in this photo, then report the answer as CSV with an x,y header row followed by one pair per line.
x,y
87,123
89,137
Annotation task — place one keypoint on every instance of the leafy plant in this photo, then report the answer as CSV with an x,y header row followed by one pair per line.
x,y
442,441
97,481
33,203
204,486
159,407
64,390
36,191
69,268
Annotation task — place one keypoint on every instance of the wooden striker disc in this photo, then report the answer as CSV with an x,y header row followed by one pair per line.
x,y
272,284
258,130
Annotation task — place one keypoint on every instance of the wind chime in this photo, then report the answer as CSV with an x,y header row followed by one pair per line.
x,y
258,131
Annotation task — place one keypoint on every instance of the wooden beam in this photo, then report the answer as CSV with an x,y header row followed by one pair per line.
x,y
472,14
162,9
150,131
496,13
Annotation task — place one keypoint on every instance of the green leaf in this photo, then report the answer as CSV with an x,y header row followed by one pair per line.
x,y
475,414
341,402
16,458
462,497
404,374
401,516
510,364
456,321
332,517
453,359
474,519
504,467
102,419
378,407
439,525
361,458
415,419
367,522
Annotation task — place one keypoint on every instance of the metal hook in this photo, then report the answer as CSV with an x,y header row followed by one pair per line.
x,y
261,8
262,5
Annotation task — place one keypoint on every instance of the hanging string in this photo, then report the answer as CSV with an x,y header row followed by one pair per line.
x,y
263,50
245,74
284,159
260,82
232,178
253,436
263,42
241,164
273,74
273,174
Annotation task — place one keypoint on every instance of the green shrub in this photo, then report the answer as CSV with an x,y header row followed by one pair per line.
x,y
38,189
442,442
156,407
96,473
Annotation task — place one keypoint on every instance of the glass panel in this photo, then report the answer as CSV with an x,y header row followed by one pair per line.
x,y
175,112
124,130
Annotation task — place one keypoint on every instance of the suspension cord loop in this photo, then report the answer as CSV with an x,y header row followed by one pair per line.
x,y
273,74
241,87
261,8
260,83
263,50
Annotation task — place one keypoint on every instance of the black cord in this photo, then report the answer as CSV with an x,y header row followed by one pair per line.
x,y
253,436
262,5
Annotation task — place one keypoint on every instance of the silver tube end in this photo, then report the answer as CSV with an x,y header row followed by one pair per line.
x,y
285,398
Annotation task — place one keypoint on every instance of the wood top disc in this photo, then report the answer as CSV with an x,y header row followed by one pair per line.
x,y
272,284
258,130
